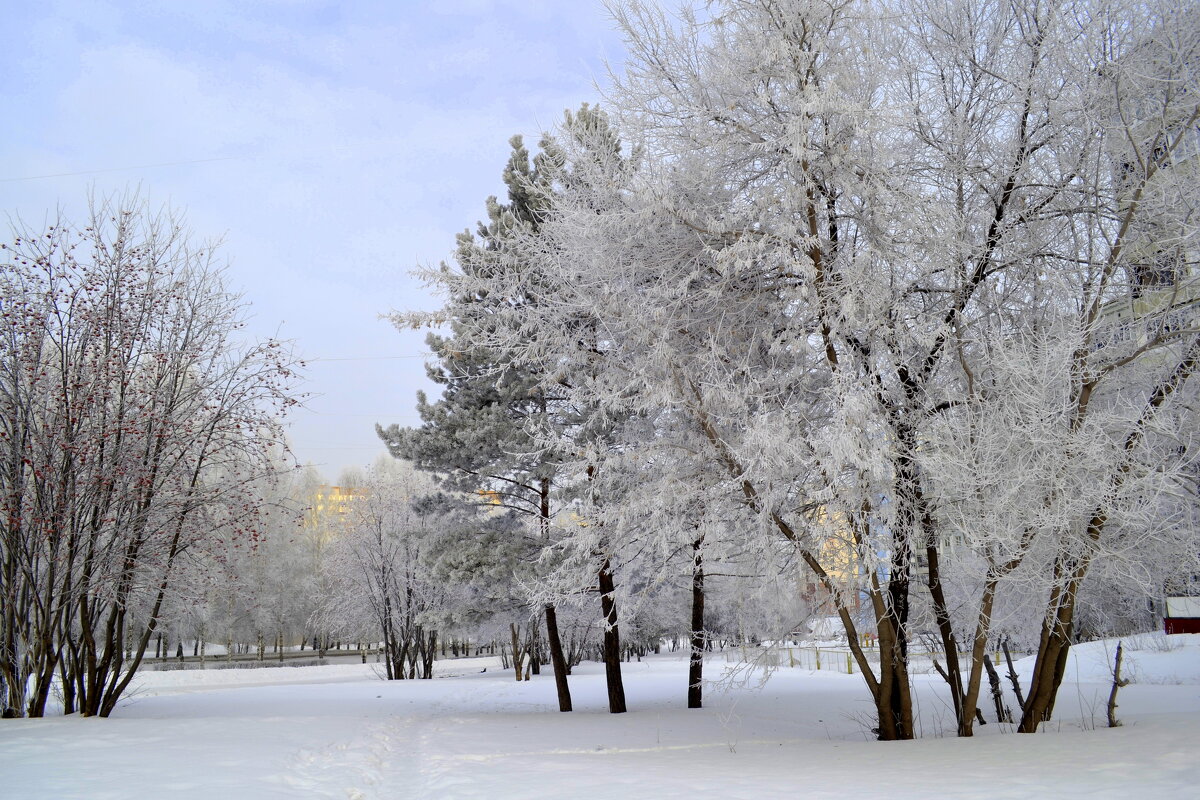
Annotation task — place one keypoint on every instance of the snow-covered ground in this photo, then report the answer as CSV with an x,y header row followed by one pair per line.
x,y
340,732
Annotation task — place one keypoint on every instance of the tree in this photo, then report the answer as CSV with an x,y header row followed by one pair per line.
x,y
847,228
380,586
499,428
274,565
487,558
1090,392
133,422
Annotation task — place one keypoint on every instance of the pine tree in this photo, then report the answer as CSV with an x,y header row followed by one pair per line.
x,y
481,437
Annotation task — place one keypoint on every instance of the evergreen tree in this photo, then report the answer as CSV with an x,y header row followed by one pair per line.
x,y
507,422
481,437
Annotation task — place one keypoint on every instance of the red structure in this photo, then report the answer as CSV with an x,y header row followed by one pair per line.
x,y
1183,615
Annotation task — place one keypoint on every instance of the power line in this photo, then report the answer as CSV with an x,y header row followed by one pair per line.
x,y
380,446
360,414
118,169
366,358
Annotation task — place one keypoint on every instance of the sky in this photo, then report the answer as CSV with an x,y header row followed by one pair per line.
x,y
332,147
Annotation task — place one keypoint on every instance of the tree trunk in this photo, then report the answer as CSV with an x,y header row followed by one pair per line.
x,y
893,699
389,672
557,660
1117,683
1002,712
517,655
695,695
1012,673
535,650
1048,668
68,690
430,653
612,641
964,710
978,655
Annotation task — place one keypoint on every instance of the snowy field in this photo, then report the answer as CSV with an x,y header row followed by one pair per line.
x,y
340,732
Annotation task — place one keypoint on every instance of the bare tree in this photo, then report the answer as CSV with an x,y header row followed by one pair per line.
x,y
133,420
380,585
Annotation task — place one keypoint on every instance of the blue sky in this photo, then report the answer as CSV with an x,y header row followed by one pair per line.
x,y
332,146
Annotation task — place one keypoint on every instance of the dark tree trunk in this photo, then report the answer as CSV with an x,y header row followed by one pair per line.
x,y
517,655
1012,673
68,690
612,641
1050,663
695,696
895,704
1002,712
557,659
1117,683
962,710
430,653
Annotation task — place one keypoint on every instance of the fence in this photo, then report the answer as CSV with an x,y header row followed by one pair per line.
x,y
221,663
837,659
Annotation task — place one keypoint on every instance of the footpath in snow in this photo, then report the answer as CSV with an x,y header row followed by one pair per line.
x,y
340,732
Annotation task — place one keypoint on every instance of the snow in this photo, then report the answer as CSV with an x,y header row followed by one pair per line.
x,y
340,732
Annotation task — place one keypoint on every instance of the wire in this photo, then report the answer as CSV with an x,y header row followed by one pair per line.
x,y
382,418
380,446
366,358
117,169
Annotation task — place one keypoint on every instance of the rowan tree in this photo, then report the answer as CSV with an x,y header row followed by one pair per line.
x,y
135,421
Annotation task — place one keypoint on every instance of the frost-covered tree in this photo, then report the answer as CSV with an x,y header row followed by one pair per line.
x,y
853,228
478,436
488,561
1076,417
133,423
380,588
278,573
502,424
